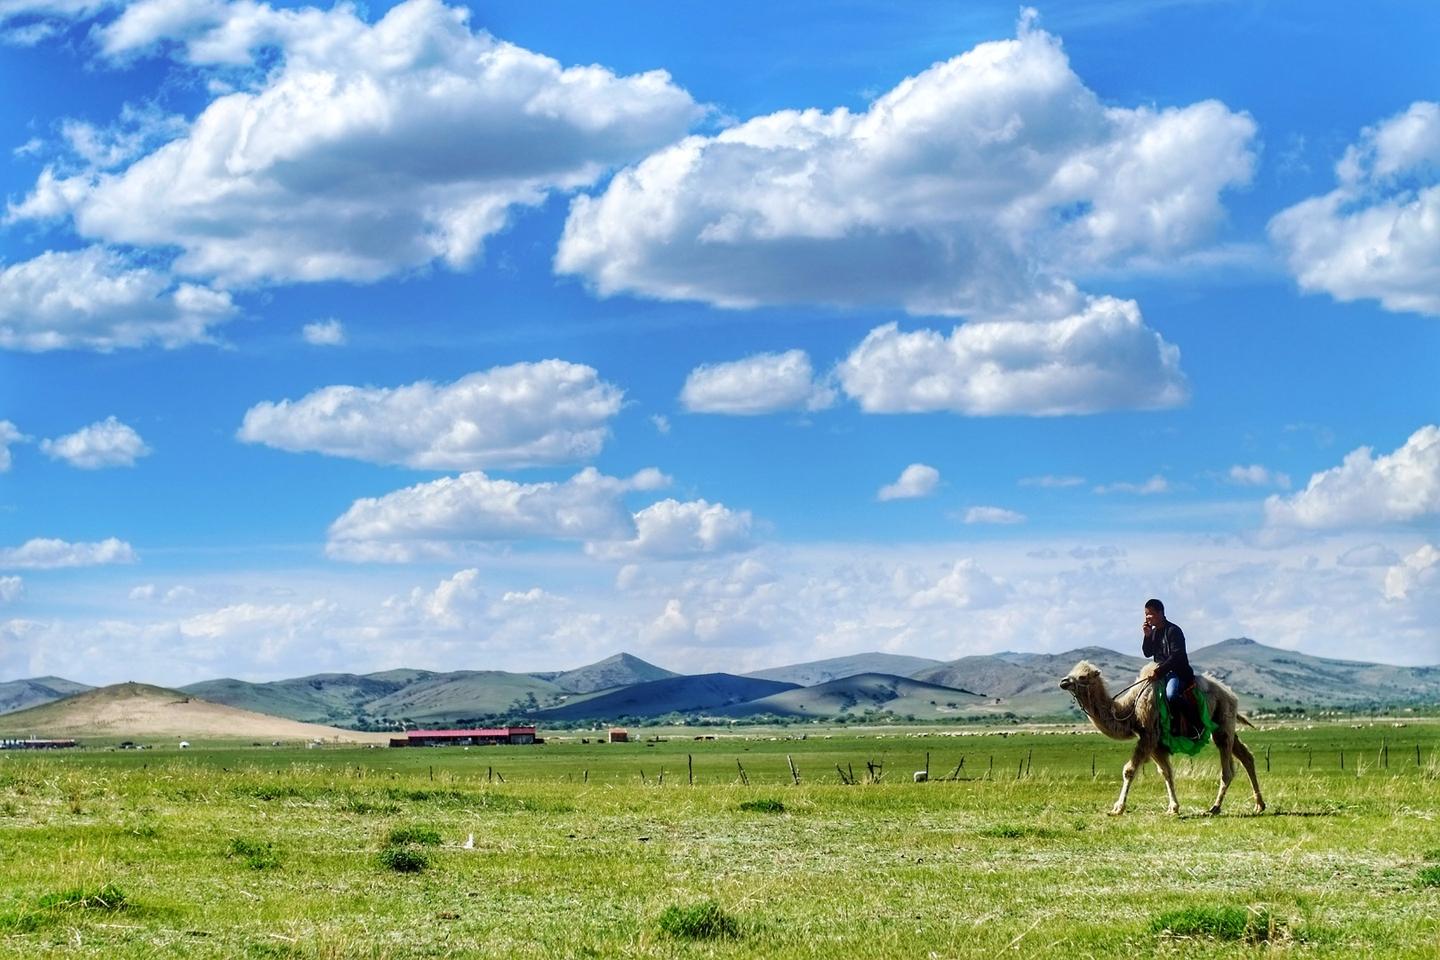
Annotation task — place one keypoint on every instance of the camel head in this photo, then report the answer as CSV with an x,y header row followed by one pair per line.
x,y
1078,679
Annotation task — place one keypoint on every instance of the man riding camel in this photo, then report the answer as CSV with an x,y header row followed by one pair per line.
x,y
1165,644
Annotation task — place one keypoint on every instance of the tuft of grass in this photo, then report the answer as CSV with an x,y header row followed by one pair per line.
x,y
1429,877
1433,856
1255,925
257,856
403,859
1010,831
107,897
698,921
420,836
763,805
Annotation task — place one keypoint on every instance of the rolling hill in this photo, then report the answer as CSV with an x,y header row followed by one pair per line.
x,y
837,668
621,670
20,694
867,691
323,697
466,694
137,710
710,693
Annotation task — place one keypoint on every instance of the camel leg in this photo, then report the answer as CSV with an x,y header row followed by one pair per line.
x,y
1225,743
1162,762
1248,762
1127,777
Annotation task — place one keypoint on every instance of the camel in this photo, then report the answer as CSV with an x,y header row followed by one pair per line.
x,y
1133,714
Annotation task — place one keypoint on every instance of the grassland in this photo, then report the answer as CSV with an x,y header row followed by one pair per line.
x,y
583,851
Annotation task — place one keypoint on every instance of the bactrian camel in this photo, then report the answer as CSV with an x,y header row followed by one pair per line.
x,y
1133,714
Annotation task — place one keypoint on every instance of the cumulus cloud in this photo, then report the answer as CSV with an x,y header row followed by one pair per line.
x,y
916,480
369,150
108,443
1420,567
1376,236
48,554
670,530
764,383
11,589
1254,475
1101,358
431,519
93,299
965,585
997,515
975,185
451,605
324,333
526,414
1366,489
9,434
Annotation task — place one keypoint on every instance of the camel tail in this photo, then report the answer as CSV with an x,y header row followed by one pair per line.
x,y
1245,720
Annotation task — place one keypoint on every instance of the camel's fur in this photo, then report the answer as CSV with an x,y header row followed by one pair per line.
x,y
1134,714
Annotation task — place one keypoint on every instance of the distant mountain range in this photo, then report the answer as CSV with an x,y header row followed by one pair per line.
x,y
626,688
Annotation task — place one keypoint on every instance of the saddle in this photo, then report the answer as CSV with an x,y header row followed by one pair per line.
x,y
1185,721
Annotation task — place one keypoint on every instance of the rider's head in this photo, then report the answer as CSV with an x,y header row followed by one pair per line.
x,y
1154,611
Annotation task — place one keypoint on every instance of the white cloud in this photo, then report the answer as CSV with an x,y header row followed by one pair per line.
x,y
453,603
1377,234
1254,475
431,519
1103,358
48,554
324,333
24,23
369,150
11,588
670,530
764,383
290,620
1369,555
1156,484
916,480
1365,490
93,299
1052,481
527,414
108,443
9,434
661,422
971,187
965,586
1419,568
993,515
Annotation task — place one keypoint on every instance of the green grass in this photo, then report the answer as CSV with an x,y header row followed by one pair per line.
x,y
576,856
1218,923
698,921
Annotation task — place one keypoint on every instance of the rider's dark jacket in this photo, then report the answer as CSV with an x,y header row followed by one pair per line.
x,y
1166,645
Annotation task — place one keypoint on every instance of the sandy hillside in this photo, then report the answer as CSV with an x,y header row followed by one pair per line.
x,y
134,710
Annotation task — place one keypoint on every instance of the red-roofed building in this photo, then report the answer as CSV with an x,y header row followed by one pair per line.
x,y
466,738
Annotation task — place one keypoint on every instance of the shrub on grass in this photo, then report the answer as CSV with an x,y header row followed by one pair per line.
x,y
403,859
421,836
1429,877
108,897
257,856
1218,923
763,805
698,921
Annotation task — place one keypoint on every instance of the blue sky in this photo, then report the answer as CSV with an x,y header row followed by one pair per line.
x,y
514,336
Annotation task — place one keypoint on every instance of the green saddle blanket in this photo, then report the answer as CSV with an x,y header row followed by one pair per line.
x,y
1179,744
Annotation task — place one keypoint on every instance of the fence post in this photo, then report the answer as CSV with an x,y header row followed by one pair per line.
x,y
690,765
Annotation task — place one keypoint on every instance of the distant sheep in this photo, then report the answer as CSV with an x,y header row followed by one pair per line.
x,y
921,776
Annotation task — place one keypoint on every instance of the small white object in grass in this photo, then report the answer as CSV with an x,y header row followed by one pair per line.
x,y
921,776
469,843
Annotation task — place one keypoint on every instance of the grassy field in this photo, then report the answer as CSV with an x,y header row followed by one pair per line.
x,y
583,851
